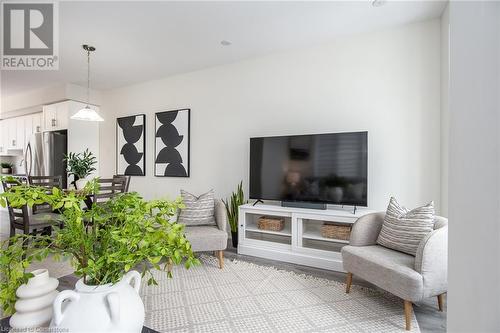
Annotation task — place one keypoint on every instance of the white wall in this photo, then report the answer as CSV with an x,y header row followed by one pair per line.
x,y
386,82
445,108
474,177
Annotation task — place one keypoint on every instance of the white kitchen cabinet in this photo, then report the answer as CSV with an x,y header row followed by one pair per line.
x,y
16,132
3,137
37,119
56,116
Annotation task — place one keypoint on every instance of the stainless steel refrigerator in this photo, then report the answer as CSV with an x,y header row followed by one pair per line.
x,y
45,155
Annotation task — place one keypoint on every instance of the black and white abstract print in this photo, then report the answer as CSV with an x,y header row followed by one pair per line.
x,y
130,143
172,143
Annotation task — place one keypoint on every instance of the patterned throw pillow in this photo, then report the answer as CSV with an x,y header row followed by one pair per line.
x,y
199,210
403,229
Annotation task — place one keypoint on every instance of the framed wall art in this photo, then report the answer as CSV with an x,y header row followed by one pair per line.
x,y
172,129
131,145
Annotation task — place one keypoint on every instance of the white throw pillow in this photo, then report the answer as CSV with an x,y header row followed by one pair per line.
x,y
199,210
403,229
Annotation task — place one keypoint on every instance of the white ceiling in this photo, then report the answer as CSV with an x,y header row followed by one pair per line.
x,y
140,41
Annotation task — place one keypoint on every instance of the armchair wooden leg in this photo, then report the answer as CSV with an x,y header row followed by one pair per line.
x,y
440,302
408,309
348,283
220,256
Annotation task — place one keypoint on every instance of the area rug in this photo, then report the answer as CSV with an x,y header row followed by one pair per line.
x,y
244,297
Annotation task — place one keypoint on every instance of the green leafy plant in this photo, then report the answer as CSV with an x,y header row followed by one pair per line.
x,y
80,164
237,199
6,165
127,232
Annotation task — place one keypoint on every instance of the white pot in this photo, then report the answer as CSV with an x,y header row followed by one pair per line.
x,y
108,308
34,305
80,183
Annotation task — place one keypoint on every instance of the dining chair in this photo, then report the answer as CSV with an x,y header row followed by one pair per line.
x,y
127,181
47,182
109,188
22,218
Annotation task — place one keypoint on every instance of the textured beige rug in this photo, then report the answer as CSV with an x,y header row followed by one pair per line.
x,y
245,297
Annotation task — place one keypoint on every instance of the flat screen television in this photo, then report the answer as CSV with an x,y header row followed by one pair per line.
x,y
320,168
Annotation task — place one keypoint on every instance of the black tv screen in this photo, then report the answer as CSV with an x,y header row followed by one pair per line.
x,y
321,168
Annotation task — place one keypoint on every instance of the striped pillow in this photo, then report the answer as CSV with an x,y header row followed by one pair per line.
x,y
403,229
199,210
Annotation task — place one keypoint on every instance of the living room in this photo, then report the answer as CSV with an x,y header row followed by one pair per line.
x,y
187,93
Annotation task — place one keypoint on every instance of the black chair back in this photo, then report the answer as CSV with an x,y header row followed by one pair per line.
x,y
47,182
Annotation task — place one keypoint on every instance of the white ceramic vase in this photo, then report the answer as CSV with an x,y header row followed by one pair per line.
x,y
80,183
107,308
34,305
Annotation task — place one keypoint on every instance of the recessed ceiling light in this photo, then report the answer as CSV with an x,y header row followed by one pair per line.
x,y
225,42
378,3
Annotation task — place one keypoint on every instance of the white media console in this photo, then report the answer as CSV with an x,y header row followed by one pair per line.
x,y
300,241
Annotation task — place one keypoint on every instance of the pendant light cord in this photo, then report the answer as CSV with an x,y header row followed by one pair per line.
x,y
88,77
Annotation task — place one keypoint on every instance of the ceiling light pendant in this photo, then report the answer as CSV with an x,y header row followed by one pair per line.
x,y
87,113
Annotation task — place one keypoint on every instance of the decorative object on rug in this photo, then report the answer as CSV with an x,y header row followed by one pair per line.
x,y
131,233
131,145
80,165
6,168
271,223
336,231
172,131
34,304
232,209
255,298
106,308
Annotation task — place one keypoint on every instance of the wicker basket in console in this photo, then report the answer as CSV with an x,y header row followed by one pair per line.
x,y
271,223
336,231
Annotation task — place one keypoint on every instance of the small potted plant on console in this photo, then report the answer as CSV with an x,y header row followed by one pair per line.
x,y
80,165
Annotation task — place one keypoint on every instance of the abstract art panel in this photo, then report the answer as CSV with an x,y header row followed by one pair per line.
x,y
131,145
172,143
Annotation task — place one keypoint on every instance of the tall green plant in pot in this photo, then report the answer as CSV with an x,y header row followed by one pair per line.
x,y
80,165
232,208
106,243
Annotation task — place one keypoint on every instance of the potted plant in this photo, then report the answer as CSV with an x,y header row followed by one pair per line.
x,y
80,165
235,201
6,168
125,233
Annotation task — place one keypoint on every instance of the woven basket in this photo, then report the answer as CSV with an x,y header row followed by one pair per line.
x,y
336,231
271,223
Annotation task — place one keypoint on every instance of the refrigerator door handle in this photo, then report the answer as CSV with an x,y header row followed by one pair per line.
x,y
28,160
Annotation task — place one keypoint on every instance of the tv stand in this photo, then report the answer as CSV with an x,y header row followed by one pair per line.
x,y
300,241
257,201
303,204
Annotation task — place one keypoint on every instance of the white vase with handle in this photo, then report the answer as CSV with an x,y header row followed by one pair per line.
x,y
34,305
107,308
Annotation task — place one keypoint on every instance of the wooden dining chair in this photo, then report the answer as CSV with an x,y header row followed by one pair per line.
x,y
22,218
127,181
47,182
109,188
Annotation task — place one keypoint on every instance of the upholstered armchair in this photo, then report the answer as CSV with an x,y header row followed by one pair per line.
x,y
211,238
408,277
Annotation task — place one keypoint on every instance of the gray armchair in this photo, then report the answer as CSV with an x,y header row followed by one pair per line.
x,y
408,277
210,238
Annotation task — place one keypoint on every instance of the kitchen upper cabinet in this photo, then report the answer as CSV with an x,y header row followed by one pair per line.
x,y
4,137
16,132
37,119
56,116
